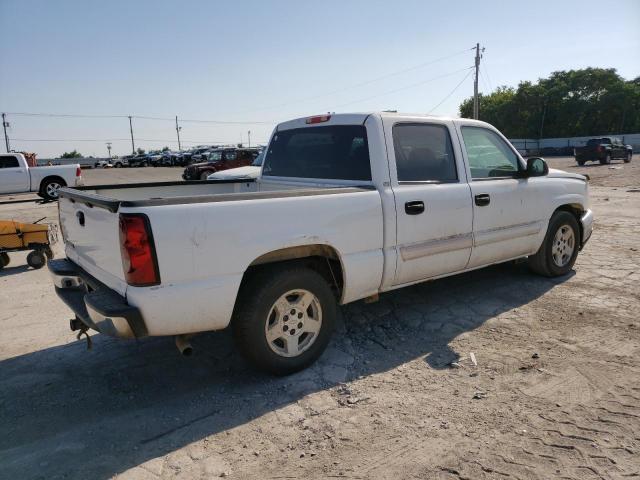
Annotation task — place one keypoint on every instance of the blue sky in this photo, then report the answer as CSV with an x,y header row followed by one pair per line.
x,y
267,61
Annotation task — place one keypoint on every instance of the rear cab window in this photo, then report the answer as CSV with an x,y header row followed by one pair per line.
x,y
336,152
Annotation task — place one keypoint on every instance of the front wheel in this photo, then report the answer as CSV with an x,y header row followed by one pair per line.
x,y
4,260
627,159
559,250
204,175
284,318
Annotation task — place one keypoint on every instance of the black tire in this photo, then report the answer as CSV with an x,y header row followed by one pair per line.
x,y
606,160
49,188
542,262
627,159
204,175
117,165
256,301
581,162
4,259
36,259
49,253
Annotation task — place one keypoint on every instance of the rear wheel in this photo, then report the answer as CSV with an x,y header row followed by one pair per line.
x,y
628,157
36,259
4,259
50,188
559,250
580,162
606,160
204,175
284,318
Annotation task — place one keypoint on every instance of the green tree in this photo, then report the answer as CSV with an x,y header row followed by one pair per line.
x,y
140,151
73,154
165,149
592,101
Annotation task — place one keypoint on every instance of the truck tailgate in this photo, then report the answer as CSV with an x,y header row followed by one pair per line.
x,y
92,239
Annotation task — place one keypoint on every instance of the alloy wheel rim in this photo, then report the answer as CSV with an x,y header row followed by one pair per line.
x,y
52,189
293,323
564,243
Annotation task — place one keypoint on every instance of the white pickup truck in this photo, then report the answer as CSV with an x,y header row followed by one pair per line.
x,y
346,206
16,176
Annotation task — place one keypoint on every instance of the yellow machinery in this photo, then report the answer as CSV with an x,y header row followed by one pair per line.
x,y
16,236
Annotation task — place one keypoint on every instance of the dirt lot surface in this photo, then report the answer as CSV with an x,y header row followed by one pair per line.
x,y
555,393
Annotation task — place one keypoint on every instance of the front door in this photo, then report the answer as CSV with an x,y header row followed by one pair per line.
x,y
506,222
433,200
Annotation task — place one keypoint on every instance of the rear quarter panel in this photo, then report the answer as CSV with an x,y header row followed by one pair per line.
x,y
203,250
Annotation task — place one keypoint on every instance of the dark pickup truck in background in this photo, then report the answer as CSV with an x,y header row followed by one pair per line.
x,y
603,150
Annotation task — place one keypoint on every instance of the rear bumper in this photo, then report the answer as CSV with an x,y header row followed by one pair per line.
x,y
587,226
95,304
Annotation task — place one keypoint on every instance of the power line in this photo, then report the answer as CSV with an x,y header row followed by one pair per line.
x,y
141,117
413,85
361,84
452,91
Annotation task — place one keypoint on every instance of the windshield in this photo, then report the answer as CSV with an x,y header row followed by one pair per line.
x,y
331,152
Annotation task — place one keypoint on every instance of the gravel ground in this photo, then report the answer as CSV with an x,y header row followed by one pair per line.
x,y
554,391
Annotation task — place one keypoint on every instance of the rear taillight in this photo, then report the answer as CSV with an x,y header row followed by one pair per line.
x,y
78,172
318,119
599,148
139,260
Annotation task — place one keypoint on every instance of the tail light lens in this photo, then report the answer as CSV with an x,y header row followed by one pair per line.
x,y
318,119
599,148
139,260
78,172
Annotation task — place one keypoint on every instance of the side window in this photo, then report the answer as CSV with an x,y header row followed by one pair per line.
x,y
229,156
424,153
489,155
9,162
215,156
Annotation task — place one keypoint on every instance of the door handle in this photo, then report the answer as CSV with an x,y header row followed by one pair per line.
x,y
483,199
414,208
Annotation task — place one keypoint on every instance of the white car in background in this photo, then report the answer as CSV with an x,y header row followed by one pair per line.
x,y
249,172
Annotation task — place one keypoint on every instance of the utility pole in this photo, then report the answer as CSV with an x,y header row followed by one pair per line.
x,y
133,145
475,83
5,124
178,133
249,138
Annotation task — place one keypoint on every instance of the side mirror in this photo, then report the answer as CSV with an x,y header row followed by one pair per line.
x,y
537,167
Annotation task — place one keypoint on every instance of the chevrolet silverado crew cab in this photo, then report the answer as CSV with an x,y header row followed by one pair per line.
x,y
346,206
16,176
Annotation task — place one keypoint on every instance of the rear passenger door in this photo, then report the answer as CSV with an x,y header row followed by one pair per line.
x,y
433,200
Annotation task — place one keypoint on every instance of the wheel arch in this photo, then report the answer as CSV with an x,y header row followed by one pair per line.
x,y
322,258
575,209
51,177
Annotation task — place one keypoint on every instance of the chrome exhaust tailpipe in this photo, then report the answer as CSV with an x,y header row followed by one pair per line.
x,y
182,342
